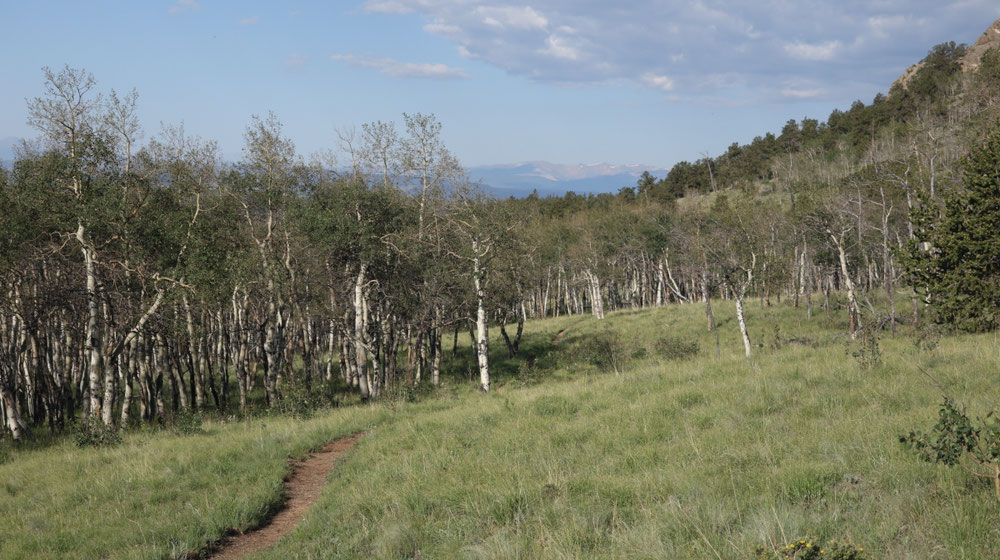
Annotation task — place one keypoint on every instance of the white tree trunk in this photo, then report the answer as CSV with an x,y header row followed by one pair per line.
x,y
435,340
198,375
482,333
739,294
92,334
18,429
852,300
743,323
360,357
670,279
596,299
661,285
272,354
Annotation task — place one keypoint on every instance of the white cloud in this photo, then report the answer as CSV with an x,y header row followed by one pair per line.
x,y
388,7
182,6
250,20
806,51
801,93
398,69
885,26
437,28
709,48
559,47
510,17
657,81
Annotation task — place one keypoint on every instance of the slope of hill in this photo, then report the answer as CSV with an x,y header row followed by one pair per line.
x,y
672,457
970,60
988,40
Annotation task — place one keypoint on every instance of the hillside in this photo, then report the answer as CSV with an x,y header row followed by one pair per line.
x,y
990,39
970,60
675,456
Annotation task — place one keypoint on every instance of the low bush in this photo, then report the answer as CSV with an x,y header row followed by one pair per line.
x,y
604,350
186,422
91,432
674,348
927,337
299,401
866,349
956,441
812,548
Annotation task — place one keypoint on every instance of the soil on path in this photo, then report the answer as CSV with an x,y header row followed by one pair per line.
x,y
559,335
302,488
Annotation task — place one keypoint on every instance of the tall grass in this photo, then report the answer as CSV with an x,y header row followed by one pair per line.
x,y
157,495
700,458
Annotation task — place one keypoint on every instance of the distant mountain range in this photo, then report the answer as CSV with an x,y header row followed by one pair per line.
x,y
516,179
520,179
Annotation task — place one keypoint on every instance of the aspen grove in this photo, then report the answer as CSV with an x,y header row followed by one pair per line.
x,y
141,278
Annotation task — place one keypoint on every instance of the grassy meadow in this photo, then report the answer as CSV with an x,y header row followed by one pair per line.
x,y
674,456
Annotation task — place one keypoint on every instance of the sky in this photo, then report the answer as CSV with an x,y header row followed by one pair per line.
x,y
568,81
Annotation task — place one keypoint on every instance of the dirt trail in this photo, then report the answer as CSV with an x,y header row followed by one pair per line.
x,y
559,335
302,488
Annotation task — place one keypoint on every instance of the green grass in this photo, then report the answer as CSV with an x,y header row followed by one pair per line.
x,y
685,458
157,495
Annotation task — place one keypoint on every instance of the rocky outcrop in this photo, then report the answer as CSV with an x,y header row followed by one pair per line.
x,y
970,61
908,75
988,40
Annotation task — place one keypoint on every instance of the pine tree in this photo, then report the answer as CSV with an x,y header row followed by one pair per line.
x,y
955,258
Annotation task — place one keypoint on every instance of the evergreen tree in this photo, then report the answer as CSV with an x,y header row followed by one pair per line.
x,y
955,258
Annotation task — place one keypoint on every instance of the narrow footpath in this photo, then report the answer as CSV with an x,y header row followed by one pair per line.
x,y
559,335
302,489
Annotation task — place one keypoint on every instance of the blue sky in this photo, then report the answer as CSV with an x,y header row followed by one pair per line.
x,y
572,81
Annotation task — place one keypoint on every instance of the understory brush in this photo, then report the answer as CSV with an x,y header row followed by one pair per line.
x,y
92,432
812,548
958,441
675,348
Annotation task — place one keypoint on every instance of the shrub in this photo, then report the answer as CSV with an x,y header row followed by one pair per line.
x,y
955,440
812,548
528,372
603,350
397,394
300,400
186,422
673,348
91,432
866,348
927,338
